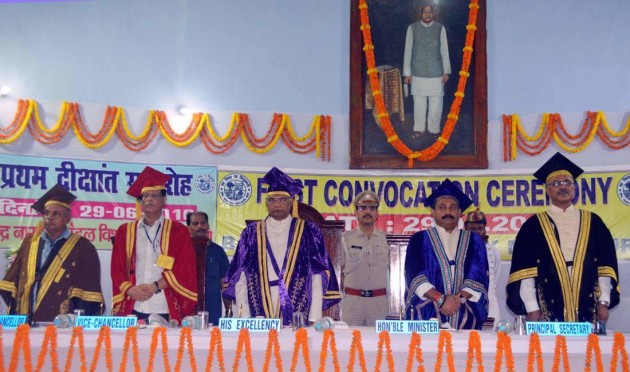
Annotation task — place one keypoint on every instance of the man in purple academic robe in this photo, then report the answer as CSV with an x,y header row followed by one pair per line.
x,y
281,265
446,268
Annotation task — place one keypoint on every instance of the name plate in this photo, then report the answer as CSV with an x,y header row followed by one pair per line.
x,y
559,328
408,326
253,324
113,322
12,321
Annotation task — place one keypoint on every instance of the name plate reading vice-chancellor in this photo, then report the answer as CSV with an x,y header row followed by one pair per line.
x,y
253,324
408,326
12,321
113,322
559,328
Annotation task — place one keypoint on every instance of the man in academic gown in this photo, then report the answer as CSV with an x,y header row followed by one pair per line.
x,y
281,265
564,265
153,262
55,271
446,268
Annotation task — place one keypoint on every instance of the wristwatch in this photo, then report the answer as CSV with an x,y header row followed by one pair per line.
x,y
605,303
462,299
157,288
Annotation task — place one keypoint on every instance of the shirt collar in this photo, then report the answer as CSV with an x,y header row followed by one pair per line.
x,y
65,234
558,210
158,222
426,24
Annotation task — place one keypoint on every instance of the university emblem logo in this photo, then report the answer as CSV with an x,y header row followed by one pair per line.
x,y
235,189
204,183
623,189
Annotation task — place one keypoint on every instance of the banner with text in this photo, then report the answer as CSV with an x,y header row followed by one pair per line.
x,y
101,188
507,201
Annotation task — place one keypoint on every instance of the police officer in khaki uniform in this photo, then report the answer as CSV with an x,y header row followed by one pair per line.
x,y
365,266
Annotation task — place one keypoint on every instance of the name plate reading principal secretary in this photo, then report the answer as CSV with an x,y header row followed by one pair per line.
x,y
408,326
559,328
253,324
12,321
113,322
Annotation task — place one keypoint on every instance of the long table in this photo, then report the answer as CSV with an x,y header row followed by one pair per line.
x,y
200,341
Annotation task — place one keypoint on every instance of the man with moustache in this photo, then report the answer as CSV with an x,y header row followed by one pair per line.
x,y
564,264
281,265
446,268
212,265
364,266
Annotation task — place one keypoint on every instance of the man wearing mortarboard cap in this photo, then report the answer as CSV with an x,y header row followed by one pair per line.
x,y
564,265
55,271
446,268
364,266
153,262
281,265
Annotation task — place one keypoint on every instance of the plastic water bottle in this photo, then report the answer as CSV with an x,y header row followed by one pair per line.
x,y
191,321
324,323
64,320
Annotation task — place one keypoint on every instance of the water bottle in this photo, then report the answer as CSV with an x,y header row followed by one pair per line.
x,y
64,320
324,323
191,321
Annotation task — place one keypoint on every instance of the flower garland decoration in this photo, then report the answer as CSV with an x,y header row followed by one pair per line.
x,y
243,343
385,123
534,351
301,342
11,255
356,347
272,344
560,350
504,345
317,138
414,351
619,347
22,342
185,340
445,340
159,332
384,340
131,340
77,334
50,339
216,342
552,127
474,351
104,336
329,339
592,347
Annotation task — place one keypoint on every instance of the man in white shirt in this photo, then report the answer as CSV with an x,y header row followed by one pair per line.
x,y
446,268
564,264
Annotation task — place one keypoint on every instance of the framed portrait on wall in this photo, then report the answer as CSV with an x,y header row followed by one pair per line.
x,y
415,43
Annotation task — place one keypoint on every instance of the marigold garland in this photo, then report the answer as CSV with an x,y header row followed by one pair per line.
x,y
414,351
445,340
592,347
77,334
474,351
317,138
159,332
356,347
301,342
504,345
552,127
104,336
384,340
22,342
50,340
385,123
216,342
619,347
131,341
272,345
329,339
535,351
185,341
244,342
560,350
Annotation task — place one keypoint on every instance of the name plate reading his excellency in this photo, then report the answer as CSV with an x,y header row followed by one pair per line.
x,y
408,326
253,324
113,322
559,328
12,321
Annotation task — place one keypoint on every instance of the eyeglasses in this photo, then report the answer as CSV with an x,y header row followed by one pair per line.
x,y
565,183
443,208
283,200
54,214
152,196
366,207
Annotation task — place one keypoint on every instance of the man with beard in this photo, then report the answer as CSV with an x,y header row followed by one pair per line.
x,y
446,269
564,264
476,221
364,266
281,265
